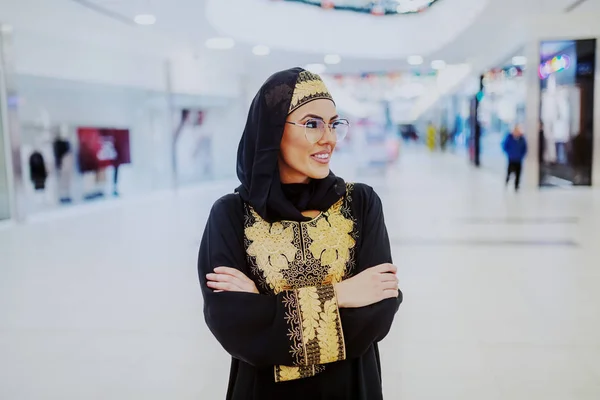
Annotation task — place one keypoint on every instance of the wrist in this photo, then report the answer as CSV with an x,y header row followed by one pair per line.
x,y
339,294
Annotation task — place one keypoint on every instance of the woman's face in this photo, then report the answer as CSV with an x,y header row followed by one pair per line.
x,y
299,159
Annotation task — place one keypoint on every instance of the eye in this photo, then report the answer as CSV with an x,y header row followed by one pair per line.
x,y
339,124
312,124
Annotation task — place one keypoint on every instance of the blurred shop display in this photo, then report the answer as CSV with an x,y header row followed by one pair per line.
x,y
379,86
567,73
374,7
192,146
500,107
101,149
39,161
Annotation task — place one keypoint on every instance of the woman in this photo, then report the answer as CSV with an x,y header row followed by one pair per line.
x,y
295,267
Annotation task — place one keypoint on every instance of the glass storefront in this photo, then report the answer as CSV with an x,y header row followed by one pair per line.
x,y
84,142
567,73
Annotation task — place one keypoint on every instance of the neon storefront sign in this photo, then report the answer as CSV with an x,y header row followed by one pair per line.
x,y
556,64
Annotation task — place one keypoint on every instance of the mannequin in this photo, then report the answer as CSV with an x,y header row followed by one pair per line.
x,y
63,157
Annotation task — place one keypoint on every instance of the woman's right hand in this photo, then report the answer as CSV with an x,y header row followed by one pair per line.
x,y
369,287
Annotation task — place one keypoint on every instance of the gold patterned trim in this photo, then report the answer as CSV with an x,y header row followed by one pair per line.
x,y
316,314
309,87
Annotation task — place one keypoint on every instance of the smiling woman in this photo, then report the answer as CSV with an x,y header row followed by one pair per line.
x,y
295,266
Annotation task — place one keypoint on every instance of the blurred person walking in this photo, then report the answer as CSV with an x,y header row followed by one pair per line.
x,y
515,147
295,266
431,136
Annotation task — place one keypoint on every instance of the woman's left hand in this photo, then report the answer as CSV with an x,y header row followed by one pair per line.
x,y
226,279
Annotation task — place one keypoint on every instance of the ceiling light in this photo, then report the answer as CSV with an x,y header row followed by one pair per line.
x,y
332,59
315,68
438,64
261,50
415,60
145,19
220,43
519,61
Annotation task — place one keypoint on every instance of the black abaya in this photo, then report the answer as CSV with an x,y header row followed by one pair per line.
x,y
255,329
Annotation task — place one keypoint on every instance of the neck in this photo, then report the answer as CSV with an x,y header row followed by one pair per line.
x,y
293,179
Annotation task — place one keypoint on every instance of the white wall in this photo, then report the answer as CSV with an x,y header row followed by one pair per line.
x,y
4,195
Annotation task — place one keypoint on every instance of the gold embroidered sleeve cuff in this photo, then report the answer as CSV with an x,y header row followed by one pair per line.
x,y
315,331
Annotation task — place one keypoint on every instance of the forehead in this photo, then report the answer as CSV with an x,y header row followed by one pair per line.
x,y
322,107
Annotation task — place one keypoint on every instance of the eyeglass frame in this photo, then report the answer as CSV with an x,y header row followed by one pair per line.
x,y
329,125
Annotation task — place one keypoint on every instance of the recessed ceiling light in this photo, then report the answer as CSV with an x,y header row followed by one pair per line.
x,y
332,59
415,60
261,50
145,19
316,68
438,64
519,61
219,43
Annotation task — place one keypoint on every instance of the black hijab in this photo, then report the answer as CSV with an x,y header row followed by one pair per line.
x,y
258,152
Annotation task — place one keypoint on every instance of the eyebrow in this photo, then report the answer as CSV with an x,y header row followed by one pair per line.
x,y
319,117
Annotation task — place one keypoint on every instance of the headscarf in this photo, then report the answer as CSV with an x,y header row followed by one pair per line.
x,y
258,152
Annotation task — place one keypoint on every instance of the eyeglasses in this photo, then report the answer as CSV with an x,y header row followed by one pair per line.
x,y
314,129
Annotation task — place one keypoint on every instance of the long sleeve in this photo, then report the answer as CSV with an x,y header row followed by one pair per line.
x,y
295,327
367,325
505,144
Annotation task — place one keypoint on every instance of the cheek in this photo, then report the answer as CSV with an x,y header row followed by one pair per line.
x,y
294,151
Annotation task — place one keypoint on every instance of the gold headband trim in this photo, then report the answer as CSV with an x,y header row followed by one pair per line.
x,y
308,87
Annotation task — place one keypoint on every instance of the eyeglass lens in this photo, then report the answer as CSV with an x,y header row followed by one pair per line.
x,y
315,129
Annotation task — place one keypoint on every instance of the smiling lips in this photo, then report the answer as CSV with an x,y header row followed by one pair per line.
x,y
322,157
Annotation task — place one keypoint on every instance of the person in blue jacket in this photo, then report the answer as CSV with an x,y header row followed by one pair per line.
x,y
515,147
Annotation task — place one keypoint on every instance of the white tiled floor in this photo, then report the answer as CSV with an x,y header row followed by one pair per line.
x,y
502,296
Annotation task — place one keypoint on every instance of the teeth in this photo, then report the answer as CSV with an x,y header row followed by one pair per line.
x,y
322,156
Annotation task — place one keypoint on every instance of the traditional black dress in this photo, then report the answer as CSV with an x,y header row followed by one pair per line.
x,y
292,341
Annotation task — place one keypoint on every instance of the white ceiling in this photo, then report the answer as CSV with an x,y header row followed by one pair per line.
x,y
298,27
454,30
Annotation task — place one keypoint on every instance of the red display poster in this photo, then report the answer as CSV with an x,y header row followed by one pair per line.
x,y
102,147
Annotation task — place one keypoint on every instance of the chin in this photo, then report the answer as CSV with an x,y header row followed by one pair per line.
x,y
320,173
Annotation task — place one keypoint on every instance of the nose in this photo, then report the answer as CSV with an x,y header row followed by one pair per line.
x,y
328,135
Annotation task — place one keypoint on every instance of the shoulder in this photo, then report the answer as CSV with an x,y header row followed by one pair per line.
x,y
360,190
364,197
227,207
230,200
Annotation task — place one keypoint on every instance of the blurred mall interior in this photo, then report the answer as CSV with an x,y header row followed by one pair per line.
x,y
119,126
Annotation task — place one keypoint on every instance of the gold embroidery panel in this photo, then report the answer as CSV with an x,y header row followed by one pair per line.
x,y
292,255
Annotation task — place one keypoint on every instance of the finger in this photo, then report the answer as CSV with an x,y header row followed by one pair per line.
x,y
390,285
386,268
224,286
231,271
227,278
389,277
390,294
